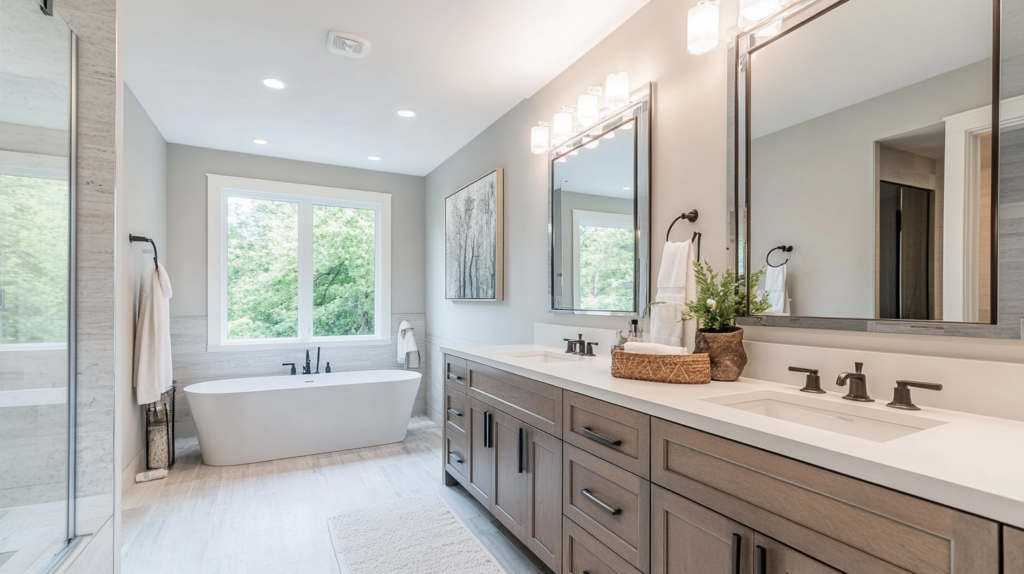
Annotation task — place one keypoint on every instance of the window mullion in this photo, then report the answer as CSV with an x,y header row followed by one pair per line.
x,y
305,270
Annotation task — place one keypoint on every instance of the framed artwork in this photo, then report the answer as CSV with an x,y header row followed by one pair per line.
x,y
473,241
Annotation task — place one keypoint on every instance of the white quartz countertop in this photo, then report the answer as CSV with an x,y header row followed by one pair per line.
x,y
973,463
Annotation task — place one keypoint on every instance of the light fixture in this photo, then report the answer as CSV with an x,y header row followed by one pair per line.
x,y
574,152
770,31
702,27
588,110
373,157
609,135
593,144
260,142
540,138
274,83
560,160
616,90
407,113
757,10
561,127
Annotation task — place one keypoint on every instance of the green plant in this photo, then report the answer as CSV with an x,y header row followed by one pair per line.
x,y
718,302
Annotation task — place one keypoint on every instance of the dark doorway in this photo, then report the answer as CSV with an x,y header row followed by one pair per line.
x,y
905,252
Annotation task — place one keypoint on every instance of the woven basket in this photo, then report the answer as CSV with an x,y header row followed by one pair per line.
x,y
677,369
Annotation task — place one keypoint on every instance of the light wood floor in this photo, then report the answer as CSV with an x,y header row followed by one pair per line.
x,y
271,517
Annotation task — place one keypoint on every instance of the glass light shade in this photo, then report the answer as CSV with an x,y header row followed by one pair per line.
x,y
561,128
616,90
540,138
702,27
757,10
587,111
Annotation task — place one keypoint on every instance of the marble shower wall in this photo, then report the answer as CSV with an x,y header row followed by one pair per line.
x,y
193,364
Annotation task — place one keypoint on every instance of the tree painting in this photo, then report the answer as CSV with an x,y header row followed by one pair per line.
x,y
473,225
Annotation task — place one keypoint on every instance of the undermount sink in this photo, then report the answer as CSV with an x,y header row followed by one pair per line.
x,y
542,356
849,419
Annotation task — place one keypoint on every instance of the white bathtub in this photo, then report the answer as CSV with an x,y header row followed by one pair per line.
x,y
239,421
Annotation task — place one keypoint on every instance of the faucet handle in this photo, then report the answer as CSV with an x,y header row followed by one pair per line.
x,y
570,345
590,350
859,367
813,382
901,398
292,365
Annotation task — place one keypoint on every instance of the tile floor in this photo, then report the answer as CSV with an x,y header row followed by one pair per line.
x,y
30,536
271,517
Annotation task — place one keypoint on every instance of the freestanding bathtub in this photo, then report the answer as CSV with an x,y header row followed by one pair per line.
x,y
266,418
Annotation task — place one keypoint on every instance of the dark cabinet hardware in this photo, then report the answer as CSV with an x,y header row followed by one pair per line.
x,y
487,430
813,382
519,453
599,438
455,457
455,412
901,398
590,350
454,377
858,385
761,560
292,365
737,547
604,506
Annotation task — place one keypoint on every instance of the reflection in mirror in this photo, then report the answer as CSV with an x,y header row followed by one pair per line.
x,y
871,154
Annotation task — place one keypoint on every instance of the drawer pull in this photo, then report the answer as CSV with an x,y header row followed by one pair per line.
x,y
600,438
761,560
519,454
455,457
737,542
590,496
455,412
487,430
454,377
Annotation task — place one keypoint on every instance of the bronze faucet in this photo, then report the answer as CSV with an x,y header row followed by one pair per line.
x,y
858,385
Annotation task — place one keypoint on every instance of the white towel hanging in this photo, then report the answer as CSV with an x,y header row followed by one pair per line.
x,y
677,286
408,351
153,373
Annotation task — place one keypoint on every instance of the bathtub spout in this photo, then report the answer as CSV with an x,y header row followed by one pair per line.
x,y
306,370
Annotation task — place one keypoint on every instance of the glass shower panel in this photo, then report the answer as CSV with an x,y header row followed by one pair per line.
x,y
35,240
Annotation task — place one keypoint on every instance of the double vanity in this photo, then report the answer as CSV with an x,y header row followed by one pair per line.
x,y
599,475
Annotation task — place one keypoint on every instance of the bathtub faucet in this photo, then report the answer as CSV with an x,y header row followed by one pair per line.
x,y
305,369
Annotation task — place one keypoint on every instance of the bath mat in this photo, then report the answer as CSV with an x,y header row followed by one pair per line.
x,y
418,534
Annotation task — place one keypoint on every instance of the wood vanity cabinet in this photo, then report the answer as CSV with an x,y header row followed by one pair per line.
x,y
774,557
1013,550
687,538
480,470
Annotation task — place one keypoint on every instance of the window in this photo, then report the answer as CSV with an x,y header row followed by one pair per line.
x,y
604,260
293,265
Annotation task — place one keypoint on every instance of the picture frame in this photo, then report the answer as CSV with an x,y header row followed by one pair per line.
x,y
474,240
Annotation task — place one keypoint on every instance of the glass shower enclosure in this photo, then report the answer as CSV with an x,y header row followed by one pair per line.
x,y
38,54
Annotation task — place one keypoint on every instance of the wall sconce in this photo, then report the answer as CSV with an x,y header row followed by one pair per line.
x,y
702,27
588,110
757,10
561,127
616,90
540,138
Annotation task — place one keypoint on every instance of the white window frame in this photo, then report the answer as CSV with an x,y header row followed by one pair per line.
x,y
581,217
220,187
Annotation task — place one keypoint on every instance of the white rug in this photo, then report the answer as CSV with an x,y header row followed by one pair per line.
x,y
418,534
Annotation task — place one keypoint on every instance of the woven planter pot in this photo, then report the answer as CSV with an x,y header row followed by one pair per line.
x,y
725,351
677,369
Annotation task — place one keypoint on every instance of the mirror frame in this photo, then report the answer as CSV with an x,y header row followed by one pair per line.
x,y
743,44
639,106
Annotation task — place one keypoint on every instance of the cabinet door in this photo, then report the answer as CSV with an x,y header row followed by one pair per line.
x,y
480,471
509,497
772,557
687,538
1013,550
544,492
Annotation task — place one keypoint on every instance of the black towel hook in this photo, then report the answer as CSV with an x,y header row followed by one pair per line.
x,y
784,249
134,238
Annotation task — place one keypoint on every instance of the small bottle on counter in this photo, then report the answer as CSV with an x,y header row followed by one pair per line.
x,y
636,333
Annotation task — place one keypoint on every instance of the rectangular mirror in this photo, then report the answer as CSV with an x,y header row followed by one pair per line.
x,y
598,206
868,163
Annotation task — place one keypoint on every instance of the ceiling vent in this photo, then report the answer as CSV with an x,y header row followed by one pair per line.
x,y
348,44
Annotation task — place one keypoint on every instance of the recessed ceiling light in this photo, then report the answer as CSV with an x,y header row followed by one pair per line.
x,y
260,142
407,113
373,158
274,83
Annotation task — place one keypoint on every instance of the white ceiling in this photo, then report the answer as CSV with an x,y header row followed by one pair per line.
x,y
604,170
861,50
197,68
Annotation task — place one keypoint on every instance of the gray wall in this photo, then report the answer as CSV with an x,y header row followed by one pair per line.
x,y
142,209
813,187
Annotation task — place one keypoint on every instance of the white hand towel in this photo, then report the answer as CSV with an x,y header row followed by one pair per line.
x,y
777,290
677,286
408,352
654,349
153,373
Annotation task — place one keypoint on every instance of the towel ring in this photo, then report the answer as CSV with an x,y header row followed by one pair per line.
x,y
784,249
690,216
134,238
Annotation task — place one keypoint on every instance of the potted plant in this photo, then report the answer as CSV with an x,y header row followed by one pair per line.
x,y
715,308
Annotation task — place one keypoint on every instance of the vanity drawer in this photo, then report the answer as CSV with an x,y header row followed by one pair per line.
x,y
533,402
1013,550
581,552
611,504
456,414
456,373
619,435
851,525
456,456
